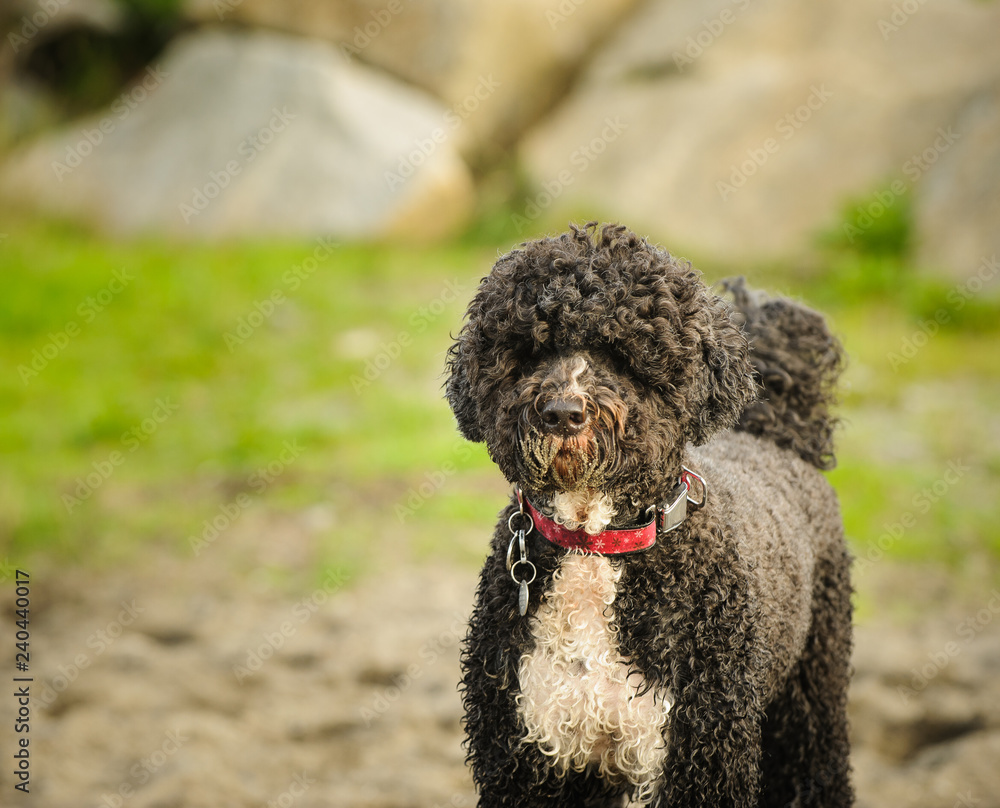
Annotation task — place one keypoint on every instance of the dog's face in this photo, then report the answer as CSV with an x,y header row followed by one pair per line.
x,y
586,365
571,415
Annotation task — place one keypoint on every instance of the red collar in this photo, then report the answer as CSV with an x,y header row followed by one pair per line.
x,y
615,541
609,542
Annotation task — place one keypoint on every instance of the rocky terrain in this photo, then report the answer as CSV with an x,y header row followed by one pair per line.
x,y
188,685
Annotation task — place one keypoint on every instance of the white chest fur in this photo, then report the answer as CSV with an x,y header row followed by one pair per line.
x,y
578,701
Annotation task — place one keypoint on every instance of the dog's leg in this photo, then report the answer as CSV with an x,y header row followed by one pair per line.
x,y
714,728
714,750
806,751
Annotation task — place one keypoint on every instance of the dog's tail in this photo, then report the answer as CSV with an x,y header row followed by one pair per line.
x,y
797,361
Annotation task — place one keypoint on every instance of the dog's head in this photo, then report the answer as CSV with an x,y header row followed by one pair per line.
x,y
587,361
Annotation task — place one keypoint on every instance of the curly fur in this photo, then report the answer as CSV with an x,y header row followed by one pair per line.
x,y
797,362
712,668
586,510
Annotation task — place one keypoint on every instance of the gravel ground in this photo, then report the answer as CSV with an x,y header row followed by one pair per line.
x,y
188,685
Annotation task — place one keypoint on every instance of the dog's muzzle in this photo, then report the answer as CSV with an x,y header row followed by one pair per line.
x,y
568,424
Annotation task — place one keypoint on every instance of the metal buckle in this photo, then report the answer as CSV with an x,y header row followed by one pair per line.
x,y
674,513
670,516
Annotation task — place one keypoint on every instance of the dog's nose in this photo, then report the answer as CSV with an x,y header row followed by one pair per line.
x,y
565,416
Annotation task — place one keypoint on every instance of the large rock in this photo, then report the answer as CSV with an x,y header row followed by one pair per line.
x,y
498,66
958,206
253,134
739,129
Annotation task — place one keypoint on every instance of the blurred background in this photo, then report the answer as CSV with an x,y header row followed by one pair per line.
x,y
235,237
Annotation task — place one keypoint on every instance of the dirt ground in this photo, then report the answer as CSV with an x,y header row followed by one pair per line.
x,y
185,684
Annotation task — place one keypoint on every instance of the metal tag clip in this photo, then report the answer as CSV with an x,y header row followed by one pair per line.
x,y
518,534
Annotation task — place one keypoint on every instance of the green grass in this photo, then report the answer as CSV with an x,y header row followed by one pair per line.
x,y
379,456
158,349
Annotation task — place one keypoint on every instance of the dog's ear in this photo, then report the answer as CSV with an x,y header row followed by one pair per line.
x,y
458,386
727,383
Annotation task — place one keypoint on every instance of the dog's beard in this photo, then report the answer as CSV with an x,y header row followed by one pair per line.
x,y
563,463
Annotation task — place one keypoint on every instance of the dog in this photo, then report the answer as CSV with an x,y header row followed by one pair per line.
x,y
664,617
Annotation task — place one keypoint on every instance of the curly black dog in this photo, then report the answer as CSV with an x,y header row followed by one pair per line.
x,y
665,614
